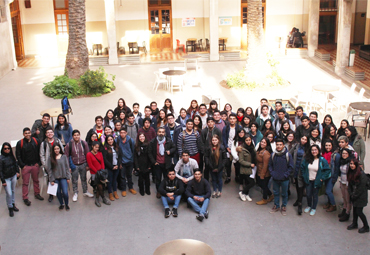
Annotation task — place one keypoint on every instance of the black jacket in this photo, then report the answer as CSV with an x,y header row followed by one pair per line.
x,y
201,188
29,153
301,131
210,161
117,111
167,186
38,126
108,159
8,167
206,138
168,146
142,161
358,191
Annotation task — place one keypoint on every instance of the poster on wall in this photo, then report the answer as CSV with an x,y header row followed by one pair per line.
x,y
188,22
225,21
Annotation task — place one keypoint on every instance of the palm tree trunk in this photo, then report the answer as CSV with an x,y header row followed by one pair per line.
x,y
77,59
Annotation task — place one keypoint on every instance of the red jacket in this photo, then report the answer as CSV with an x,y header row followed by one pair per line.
x,y
93,162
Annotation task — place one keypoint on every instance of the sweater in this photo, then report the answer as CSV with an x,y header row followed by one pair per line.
x,y
280,169
190,142
149,133
77,152
201,188
61,170
93,162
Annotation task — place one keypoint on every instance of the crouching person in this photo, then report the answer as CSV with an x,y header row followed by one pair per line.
x,y
198,192
171,189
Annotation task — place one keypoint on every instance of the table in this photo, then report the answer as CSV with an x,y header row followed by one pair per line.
x,y
326,89
173,73
184,246
222,42
53,112
191,57
192,41
361,106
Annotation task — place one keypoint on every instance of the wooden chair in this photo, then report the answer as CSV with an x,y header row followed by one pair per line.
x,y
207,44
361,121
120,50
189,44
180,46
199,45
221,43
133,47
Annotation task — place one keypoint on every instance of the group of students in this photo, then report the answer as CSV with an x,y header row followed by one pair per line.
x,y
183,150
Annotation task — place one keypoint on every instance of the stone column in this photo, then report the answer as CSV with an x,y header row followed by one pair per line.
x,y
9,20
110,20
313,26
367,30
344,35
213,30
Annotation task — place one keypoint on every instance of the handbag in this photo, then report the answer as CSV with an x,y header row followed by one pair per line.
x,y
102,174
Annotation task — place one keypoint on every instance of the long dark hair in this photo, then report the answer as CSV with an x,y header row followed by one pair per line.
x,y
53,156
237,138
324,142
139,143
318,136
306,146
216,153
159,120
200,125
270,133
250,121
190,109
106,119
264,126
331,123
354,175
59,126
171,107
309,157
107,146
10,151
210,110
268,145
353,131
282,127
250,147
124,105
341,131
250,115
118,117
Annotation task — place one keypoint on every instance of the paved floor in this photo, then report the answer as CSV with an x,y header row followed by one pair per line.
x,y
135,224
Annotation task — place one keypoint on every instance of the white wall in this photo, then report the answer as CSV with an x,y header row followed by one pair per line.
x,y
229,8
42,11
281,7
188,9
131,9
6,46
95,10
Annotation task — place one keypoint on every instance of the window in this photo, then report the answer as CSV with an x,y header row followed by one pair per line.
x,y
61,16
159,2
2,11
328,5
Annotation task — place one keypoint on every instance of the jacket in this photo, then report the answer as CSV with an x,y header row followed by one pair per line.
x,y
297,120
358,192
294,152
206,138
167,186
77,157
322,174
45,149
279,168
8,167
201,188
126,150
108,159
29,154
180,166
301,131
168,146
178,120
225,134
359,147
61,171
142,161
64,134
256,138
260,121
38,125
245,160
263,158
210,161
95,162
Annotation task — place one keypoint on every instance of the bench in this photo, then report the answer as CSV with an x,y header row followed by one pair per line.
x,y
355,73
322,54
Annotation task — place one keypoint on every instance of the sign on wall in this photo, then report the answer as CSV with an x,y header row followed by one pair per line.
x,y
188,22
225,21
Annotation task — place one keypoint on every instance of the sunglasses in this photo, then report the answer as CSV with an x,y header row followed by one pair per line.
x,y
6,148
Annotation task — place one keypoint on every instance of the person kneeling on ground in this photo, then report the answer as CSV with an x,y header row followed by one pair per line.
x,y
198,193
171,189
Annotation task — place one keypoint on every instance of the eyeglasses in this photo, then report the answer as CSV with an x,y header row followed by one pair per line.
x,y
6,148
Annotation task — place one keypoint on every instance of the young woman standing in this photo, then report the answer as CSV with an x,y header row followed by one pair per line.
x,y
329,154
343,125
109,119
110,155
168,107
142,164
315,137
63,130
356,141
193,109
121,106
344,167
267,126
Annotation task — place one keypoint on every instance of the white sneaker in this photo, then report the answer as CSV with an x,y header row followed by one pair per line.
x,y
242,196
248,198
74,199
88,194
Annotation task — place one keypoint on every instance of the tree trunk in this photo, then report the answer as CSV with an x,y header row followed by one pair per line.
x,y
77,59
256,66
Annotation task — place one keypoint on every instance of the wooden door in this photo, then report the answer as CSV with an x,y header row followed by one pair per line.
x,y
160,25
17,30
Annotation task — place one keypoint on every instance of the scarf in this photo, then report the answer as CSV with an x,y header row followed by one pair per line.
x,y
347,160
240,119
161,145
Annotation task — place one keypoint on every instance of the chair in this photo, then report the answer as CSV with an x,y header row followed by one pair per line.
x,y
120,50
97,47
221,43
177,82
341,99
361,94
361,121
180,46
189,44
143,48
207,44
133,47
158,81
199,45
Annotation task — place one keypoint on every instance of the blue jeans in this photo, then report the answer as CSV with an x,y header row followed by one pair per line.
x,y
284,192
195,204
9,189
312,195
217,180
166,200
126,172
112,180
329,191
62,188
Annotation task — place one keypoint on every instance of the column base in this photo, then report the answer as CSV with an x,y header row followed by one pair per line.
x,y
113,61
339,70
214,57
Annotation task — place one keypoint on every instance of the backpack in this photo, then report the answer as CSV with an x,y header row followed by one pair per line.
x,y
286,155
66,107
34,139
70,146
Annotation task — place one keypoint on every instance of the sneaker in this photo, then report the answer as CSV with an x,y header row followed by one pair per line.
x,y
214,194
75,196
27,202
39,197
61,207
275,209
167,212
283,210
51,197
174,212
106,201
206,214
242,196
218,194
67,208
307,209
248,198
87,194
313,212
199,217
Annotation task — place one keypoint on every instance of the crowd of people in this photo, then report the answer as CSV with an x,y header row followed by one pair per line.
x,y
186,150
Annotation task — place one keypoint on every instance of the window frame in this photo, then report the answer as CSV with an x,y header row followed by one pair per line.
x,y
61,11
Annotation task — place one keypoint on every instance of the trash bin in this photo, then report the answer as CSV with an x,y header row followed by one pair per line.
x,y
352,54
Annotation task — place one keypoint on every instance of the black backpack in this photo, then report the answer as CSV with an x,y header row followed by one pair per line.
x,y
66,107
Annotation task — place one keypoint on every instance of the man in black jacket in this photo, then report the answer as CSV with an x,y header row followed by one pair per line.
x,y
171,189
304,129
198,193
27,152
38,129
160,151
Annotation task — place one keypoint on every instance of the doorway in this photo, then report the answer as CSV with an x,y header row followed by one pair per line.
x,y
327,28
17,30
160,25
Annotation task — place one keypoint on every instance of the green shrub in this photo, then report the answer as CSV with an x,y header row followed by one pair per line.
x,y
239,80
95,82
62,86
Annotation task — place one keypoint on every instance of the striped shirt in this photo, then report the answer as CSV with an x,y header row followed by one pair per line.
x,y
189,142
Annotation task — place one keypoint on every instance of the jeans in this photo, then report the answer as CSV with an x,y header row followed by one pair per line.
x,y
81,169
312,195
283,185
329,191
249,183
62,188
166,200
126,172
217,180
159,171
112,180
28,171
195,204
263,183
9,189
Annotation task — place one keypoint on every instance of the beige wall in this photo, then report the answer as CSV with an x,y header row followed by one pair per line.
x,y
96,33
40,39
132,31
6,45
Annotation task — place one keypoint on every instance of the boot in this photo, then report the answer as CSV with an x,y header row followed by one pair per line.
x,y
299,208
364,229
141,190
295,203
15,208
271,198
115,195
106,201
11,212
147,190
326,206
345,217
342,213
332,208
262,202
352,226
111,198
97,202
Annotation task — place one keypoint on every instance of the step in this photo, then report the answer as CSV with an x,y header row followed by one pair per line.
x,y
296,52
232,55
322,54
133,58
355,73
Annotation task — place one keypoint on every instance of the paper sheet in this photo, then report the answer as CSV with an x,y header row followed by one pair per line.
x,y
52,189
254,171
